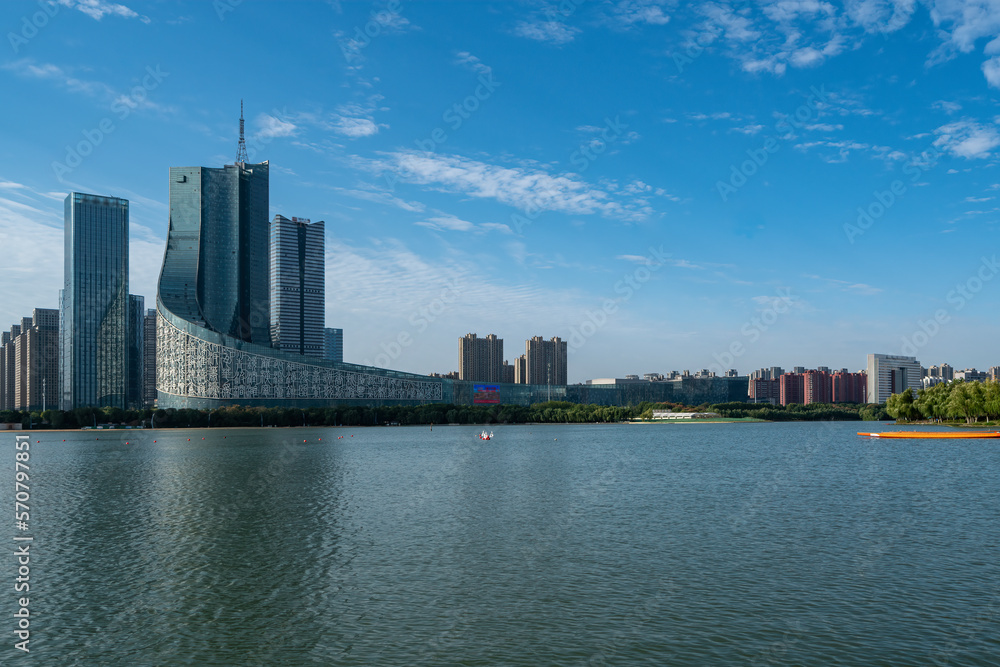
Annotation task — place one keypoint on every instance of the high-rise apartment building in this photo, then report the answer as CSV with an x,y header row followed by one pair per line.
x,y
95,303
480,359
8,378
792,388
507,372
817,386
763,390
849,387
149,357
297,285
333,344
944,371
219,238
521,370
41,375
545,361
890,374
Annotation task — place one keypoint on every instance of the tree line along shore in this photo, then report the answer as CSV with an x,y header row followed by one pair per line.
x,y
551,412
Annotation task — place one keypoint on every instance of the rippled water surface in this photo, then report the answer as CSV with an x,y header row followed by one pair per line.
x,y
676,544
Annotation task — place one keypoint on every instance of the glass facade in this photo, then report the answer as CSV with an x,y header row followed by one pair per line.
x,y
333,344
215,270
136,336
298,278
95,302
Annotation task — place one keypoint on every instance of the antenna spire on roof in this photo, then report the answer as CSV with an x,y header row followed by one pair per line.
x,y
241,150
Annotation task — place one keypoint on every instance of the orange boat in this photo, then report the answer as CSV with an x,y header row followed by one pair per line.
x,y
934,434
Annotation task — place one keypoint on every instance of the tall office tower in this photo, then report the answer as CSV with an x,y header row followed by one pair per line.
x,y
545,360
480,359
521,370
94,321
888,375
40,374
792,388
297,285
136,351
333,344
218,239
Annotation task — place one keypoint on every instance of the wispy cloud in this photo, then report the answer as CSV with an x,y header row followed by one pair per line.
x,y
520,187
638,12
98,9
471,62
446,222
554,32
270,127
967,138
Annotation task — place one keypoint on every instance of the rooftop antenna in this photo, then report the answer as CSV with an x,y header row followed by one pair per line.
x,y
241,150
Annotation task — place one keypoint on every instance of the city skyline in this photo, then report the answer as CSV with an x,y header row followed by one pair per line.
x,y
682,202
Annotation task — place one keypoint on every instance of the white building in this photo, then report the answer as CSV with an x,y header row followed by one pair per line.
x,y
889,374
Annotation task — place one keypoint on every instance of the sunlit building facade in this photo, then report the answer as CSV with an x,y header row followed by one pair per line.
x,y
94,314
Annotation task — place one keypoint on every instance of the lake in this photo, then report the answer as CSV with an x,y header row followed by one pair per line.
x,y
660,544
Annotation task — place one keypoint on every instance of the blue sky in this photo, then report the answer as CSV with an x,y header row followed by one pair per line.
x,y
666,185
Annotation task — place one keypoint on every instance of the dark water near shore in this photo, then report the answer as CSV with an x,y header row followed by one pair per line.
x,y
681,544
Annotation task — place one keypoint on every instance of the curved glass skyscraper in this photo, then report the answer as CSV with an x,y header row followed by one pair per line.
x,y
213,315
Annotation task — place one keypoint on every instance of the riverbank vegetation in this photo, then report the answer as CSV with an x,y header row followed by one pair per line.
x,y
961,401
553,412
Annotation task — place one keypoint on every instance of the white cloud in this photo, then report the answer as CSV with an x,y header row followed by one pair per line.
x,y
520,187
354,127
967,138
380,197
946,106
466,59
98,9
448,222
631,12
546,31
991,70
270,127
